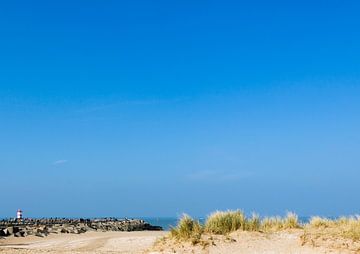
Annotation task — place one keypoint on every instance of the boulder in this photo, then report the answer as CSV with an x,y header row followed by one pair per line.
x,y
43,227
9,231
19,234
40,234
2,232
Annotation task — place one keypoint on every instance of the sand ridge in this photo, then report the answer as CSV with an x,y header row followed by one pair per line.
x,y
244,242
152,242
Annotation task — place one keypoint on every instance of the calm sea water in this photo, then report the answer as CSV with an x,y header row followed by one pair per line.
x,y
166,222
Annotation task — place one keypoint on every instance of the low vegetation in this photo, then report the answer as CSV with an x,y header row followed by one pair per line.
x,y
187,229
225,222
346,227
341,234
271,224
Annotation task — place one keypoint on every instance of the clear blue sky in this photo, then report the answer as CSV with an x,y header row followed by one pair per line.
x,y
154,108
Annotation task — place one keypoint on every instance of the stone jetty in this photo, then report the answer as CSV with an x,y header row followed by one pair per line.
x,y
44,227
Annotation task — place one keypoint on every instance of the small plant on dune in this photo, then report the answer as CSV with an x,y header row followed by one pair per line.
x,y
254,223
291,221
187,229
271,224
346,227
225,222
343,227
351,229
318,222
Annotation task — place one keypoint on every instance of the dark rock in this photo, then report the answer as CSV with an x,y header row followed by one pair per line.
x,y
18,234
2,232
43,227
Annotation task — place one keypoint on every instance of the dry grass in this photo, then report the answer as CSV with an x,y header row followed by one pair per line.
x,y
187,229
346,227
229,221
273,224
253,223
225,222
318,222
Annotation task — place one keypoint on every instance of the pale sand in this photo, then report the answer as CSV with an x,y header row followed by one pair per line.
x,y
89,242
143,242
286,242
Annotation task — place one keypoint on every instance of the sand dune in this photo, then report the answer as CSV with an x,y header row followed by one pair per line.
x,y
287,242
242,242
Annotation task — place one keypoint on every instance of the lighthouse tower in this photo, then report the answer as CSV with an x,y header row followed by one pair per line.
x,y
19,215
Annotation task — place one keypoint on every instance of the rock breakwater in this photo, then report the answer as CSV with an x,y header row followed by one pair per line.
x,y
44,227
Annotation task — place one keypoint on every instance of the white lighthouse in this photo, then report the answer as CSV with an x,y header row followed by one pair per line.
x,y
19,214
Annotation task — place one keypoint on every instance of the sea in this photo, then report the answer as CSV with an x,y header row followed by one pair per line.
x,y
166,222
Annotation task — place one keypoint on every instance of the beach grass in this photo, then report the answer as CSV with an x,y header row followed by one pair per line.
x,y
253,223
187,229
271,224
346,227
226,222
229,221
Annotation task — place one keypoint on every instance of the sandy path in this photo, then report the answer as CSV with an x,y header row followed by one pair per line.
x,y
90,242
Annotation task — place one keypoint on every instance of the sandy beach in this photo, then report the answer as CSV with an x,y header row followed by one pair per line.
x,y
287,242
89,242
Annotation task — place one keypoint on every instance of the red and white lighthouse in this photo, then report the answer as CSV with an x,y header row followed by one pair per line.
x,y
19,214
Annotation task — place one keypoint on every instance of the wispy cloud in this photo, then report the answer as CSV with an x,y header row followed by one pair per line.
x,y
59,162
135,102
218,176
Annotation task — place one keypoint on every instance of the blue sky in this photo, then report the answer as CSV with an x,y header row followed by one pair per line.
x,y
154,108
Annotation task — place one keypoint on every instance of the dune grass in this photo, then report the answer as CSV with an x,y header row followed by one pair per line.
x,y
229,221
290,221
253,223
318,222
187,229
225,222
346,227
